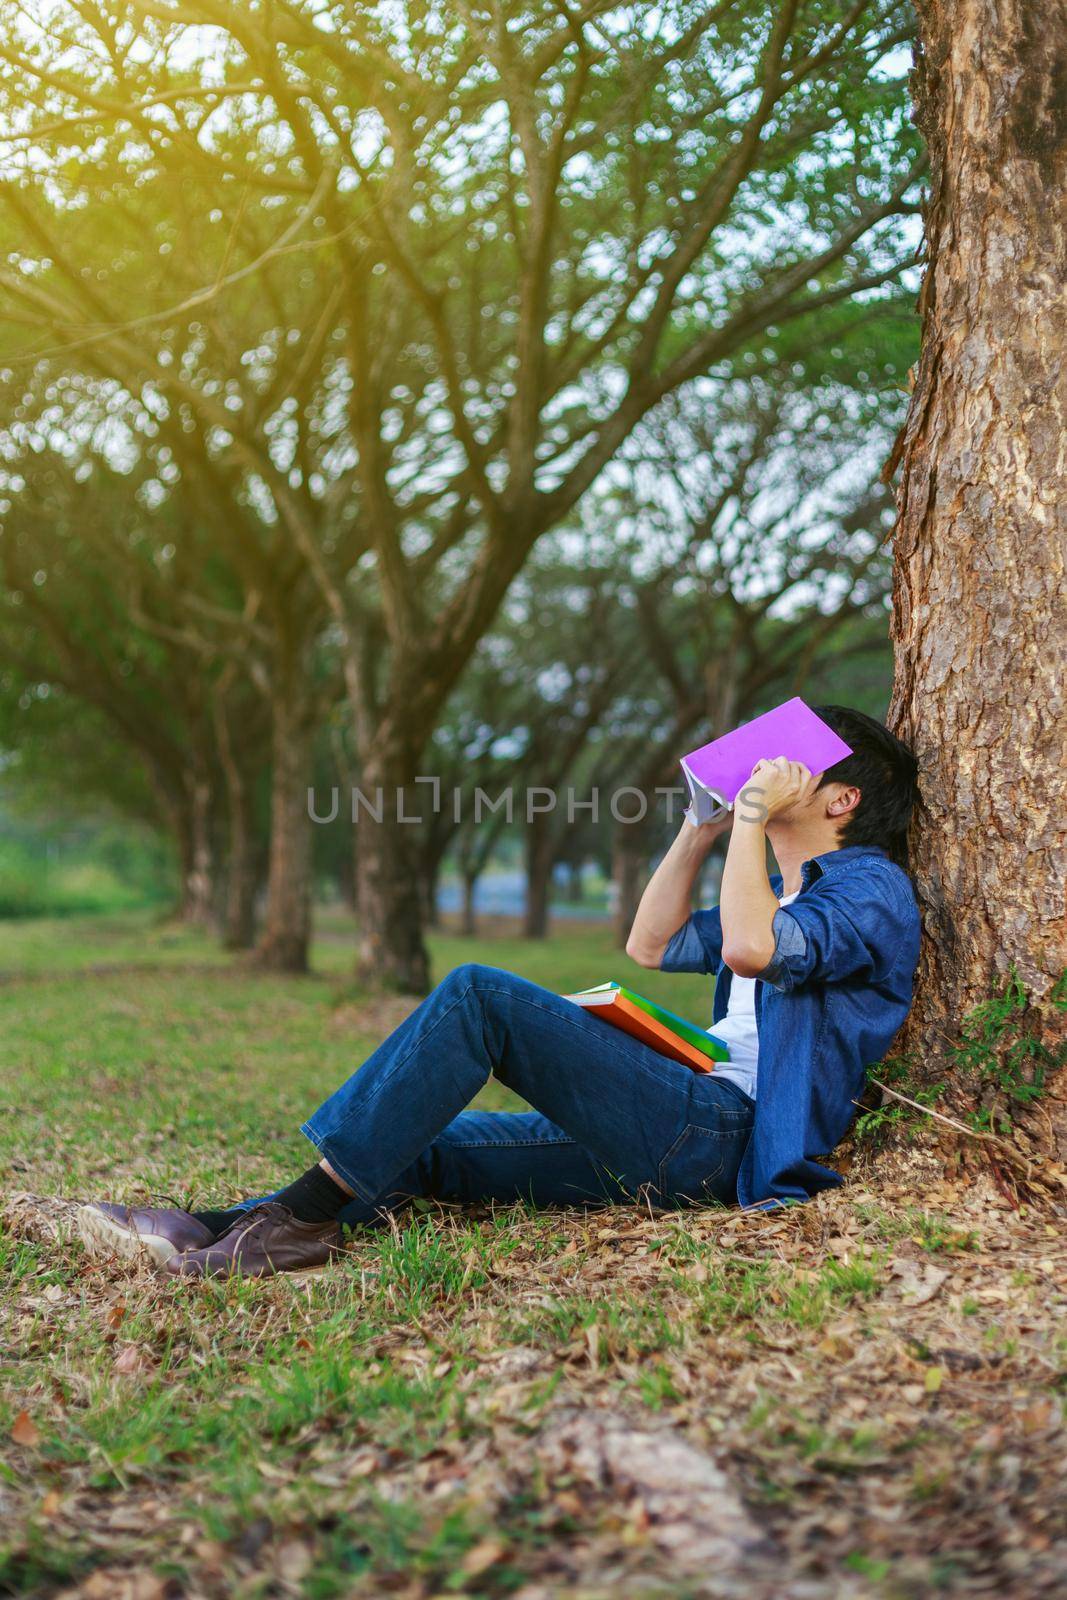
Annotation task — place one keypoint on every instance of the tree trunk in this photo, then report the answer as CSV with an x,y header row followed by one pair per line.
x,y
239,908
431,873
629,871
283,945
345,882
389,883
196,905
539,851
468,921
979,544
239,912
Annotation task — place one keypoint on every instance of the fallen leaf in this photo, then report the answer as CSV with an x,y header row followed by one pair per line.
x,y
362,1464
482,1556
134,1361
294,1560
24,1431
917,1284
933,1380
1041,1415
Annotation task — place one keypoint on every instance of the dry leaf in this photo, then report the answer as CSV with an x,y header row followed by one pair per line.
x,y
24,1431
917,1284
1041,1415
482,1556
294,1560
134,1361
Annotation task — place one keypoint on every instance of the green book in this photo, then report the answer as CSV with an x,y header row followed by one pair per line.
x,y
699,1038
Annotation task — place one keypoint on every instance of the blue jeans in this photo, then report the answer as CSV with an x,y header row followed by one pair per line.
x,y
613,1119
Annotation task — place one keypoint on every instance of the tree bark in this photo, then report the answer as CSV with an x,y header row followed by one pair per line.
x,y
468,920
540,855
390,892
431,873
239,907
629,863
239,911
196,905
979,543
345,881
283,945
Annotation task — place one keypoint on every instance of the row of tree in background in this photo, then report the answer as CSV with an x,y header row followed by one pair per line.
x,y
496,393
689,605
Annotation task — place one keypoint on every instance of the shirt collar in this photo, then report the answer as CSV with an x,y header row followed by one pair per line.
x,y
834,860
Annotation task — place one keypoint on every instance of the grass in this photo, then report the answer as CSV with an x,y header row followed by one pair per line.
x,y
394,1425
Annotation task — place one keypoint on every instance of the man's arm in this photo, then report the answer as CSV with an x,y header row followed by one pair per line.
x,y
667,901
747,903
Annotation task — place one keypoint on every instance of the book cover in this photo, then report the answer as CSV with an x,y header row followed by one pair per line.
x,y
699,1037
614,1007
717,772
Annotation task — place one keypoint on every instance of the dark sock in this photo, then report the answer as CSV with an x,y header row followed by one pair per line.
x,y
314,1197
219,1221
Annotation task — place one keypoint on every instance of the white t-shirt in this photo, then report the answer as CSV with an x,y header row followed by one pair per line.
x,y
738,1030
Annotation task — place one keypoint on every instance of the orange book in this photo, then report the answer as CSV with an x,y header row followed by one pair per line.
x,y
614,1007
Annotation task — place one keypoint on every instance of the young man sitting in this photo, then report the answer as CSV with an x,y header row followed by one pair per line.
x,y
813,975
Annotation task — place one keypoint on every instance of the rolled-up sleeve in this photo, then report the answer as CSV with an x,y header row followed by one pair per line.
x,y
697,946
844,929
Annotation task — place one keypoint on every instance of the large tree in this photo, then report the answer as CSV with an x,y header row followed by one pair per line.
x,y
980,541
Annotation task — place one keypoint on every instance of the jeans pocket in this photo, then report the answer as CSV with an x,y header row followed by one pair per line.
x,y
701,1166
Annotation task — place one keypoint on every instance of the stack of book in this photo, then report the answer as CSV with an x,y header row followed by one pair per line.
x,y
654,1025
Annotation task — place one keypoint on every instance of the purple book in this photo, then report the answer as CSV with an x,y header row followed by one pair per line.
x,y
718,771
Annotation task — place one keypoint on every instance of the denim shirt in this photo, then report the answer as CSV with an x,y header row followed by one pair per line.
x,y
828,1004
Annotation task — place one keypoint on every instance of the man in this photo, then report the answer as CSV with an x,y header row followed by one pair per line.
x,y
814,971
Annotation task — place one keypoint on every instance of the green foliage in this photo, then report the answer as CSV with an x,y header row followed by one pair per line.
x,y
99,875
1002,1053
891,1115
999,1059
332,319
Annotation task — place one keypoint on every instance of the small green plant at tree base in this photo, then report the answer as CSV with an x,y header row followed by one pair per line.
x,y
1001,1047
999,1051
895,1072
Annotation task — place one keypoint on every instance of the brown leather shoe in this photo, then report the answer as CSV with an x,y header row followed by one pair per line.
x,y
265,1240
134,1231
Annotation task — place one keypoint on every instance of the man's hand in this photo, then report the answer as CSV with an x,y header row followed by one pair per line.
x,y
777,786
708,831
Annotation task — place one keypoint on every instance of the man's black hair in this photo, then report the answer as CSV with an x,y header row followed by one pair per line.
x,y
885,772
